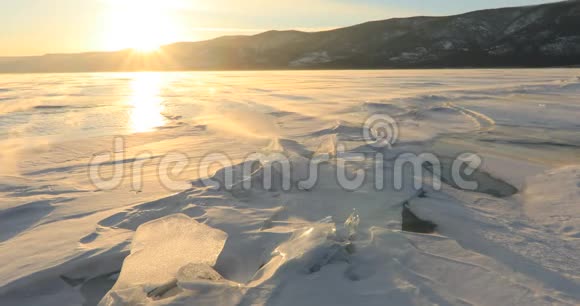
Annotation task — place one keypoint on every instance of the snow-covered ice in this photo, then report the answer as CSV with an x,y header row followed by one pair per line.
x,y
159,251
163,236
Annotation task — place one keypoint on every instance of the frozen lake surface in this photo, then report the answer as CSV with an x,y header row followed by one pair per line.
x,y
104,194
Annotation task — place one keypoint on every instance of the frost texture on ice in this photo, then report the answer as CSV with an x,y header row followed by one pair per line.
x,y
162,247
558,207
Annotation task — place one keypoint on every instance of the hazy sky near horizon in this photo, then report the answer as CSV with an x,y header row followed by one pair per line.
x,y
33,27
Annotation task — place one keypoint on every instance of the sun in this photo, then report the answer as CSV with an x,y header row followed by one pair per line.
x,y
143,26
140,36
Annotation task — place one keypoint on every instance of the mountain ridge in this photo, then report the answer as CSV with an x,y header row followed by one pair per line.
x,y
545,35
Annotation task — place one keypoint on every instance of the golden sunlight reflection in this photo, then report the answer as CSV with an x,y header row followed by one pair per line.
x,y
147,112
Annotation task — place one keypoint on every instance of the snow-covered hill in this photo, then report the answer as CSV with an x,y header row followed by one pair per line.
x,y
531,36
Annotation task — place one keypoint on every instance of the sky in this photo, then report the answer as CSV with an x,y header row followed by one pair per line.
x,y
36,27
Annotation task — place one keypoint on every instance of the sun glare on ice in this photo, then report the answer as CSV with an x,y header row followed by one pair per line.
x,y
147,107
